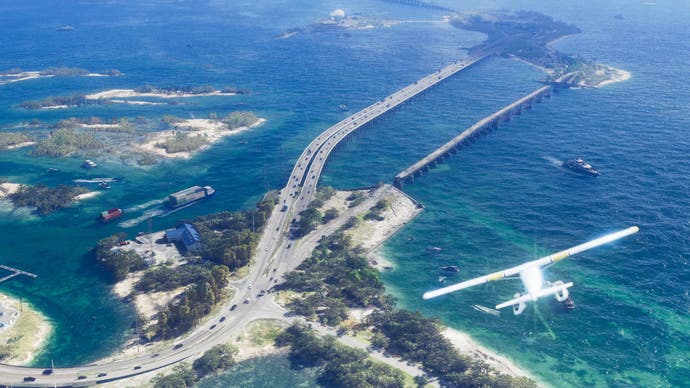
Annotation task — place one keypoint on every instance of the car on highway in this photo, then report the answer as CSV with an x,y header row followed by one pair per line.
x,y
155,355
102,374
246,301
178,346
233,308
137,367
47,371
81,377
29,378
222,318
212,327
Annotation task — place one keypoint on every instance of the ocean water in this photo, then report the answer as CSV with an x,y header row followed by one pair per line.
x,y
498,203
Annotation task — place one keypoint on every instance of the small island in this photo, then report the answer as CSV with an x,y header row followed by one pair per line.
x,y
139,142
44,199
18,75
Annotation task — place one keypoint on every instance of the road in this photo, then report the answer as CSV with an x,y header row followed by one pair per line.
x,y
275,255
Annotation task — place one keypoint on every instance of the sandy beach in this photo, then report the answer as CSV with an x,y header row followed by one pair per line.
x,y
28,334
129,93
616,75
371,234
21,145
214,130
8,189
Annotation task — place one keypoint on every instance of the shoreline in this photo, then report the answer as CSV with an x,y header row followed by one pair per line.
x,y
214,131
128,93
28,334
403,210
7,188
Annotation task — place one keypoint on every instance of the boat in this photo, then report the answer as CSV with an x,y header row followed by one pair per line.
x,y
449,268
189,195
88,163
434,249
441,279
580,166
104,185
110,214
569,304
343,107
52,169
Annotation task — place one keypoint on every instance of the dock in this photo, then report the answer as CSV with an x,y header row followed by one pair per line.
x,y
15,272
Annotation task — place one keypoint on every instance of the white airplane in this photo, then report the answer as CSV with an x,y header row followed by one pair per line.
x,y
531,275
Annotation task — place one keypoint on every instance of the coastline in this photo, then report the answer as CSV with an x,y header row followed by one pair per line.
x,y
403,209
7,188
28,334
128,93
213,130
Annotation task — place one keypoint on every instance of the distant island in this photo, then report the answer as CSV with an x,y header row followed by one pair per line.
x,y
122,96
338,20
43,199
18,75
527,36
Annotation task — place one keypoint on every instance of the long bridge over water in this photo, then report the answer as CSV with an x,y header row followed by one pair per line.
x,y
481,127
274,254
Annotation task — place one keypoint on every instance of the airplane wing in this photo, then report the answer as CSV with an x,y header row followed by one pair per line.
x,y
541,293
535,263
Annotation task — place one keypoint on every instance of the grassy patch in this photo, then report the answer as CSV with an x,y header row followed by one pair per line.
x,y
264,332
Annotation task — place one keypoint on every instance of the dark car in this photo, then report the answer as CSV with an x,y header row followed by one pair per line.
x,y
137,367
29,378
222,319
212,327
81,377
47,371
102,374
234,306
178,346
155,355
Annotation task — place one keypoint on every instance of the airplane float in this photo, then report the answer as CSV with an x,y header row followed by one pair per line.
x,y
530,273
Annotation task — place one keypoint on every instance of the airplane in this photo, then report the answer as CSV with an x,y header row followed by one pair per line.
x,y
531,275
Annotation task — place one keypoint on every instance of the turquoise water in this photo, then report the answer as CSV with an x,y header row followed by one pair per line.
x,y
498,203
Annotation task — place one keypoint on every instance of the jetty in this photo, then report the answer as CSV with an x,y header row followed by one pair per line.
x,y
15,272
481,127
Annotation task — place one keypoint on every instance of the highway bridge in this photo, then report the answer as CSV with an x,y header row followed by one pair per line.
x,y
482,126
275,255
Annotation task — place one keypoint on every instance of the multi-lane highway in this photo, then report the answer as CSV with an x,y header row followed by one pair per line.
x,y
275,255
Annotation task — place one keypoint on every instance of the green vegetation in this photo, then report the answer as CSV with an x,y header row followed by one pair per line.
x,y
182,142
340,366
11,138
65,141
73,100
239,119
308,221
205,89
337,276
117,262
46,199
198,300
329,215
182,377
229,238
375,212
219,357
165,278
355,198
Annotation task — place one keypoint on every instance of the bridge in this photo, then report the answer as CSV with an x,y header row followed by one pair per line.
x,y
482,126
275,255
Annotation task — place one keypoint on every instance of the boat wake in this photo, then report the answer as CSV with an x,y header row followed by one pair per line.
x,y
97,180
138,220
144,205
553,161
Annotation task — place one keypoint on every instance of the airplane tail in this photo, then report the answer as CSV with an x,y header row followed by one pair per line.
x,y
521,299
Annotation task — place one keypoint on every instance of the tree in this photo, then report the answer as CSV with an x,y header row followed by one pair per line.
x,y
182,376
219,357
